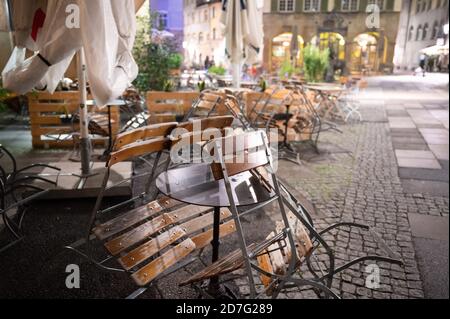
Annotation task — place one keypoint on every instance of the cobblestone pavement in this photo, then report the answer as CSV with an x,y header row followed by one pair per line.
x,y
364,186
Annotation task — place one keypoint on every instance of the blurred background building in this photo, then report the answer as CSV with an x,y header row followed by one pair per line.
x,y
341,25
203,33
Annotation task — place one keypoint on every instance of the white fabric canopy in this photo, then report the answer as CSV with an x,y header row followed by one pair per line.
x,y
436,50
107,33
243,30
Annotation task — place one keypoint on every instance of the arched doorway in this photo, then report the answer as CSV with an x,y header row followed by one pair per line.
x,y
369,52
281,50
333,41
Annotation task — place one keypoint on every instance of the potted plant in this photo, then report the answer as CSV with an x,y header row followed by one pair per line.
x,y
287,70
175,60
217,70
316,62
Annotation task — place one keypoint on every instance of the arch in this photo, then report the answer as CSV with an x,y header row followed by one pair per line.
x,y
331,40
419,32
369,52
281,50
425,31
435,31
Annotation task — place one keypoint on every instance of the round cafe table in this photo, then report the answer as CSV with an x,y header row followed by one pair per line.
x,y
196,185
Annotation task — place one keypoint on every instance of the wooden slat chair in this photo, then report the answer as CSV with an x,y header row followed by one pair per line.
x,y
162,236
274,260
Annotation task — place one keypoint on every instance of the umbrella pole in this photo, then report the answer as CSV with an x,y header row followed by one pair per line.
x,y
85,147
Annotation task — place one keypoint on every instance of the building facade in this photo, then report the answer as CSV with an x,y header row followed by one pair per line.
x,y
360,36
422,24
203,32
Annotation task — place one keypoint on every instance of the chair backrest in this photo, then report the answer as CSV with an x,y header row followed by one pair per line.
x,y
236,154
232,104
205,106
166,106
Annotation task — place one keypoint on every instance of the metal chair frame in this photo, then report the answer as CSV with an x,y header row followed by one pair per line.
x,y
10,184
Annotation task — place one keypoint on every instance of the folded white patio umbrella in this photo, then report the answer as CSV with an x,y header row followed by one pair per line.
x,y
243,30
106,35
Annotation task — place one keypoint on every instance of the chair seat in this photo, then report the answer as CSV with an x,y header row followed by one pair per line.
x,y
151,239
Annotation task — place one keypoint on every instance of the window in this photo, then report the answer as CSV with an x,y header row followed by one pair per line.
x,y
350,5
214,34
162,20
213,12
200,37
286,5
380,3
419,33
424,5
429,5
411,32
205,15
311,5
425,31
435,31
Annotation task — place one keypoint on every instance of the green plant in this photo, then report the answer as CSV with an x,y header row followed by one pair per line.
x,y
201,86
175,60
218,70
316,62
287,70
168,86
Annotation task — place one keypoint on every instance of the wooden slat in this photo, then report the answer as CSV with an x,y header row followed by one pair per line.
x,y
148,229
151,248
147,274
256,160
204,239
131,218
265,264
151,131
230,263
147,250
139,149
